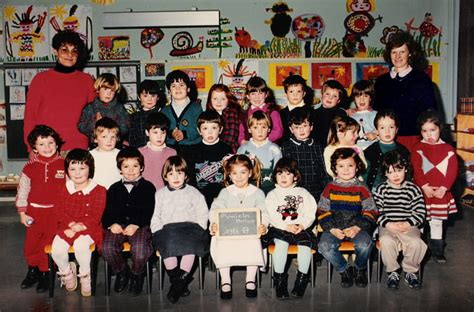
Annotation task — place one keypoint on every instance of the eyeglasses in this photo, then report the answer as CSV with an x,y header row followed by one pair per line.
x,y
65,50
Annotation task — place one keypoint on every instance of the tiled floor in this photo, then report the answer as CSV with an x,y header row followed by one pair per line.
x,y
445,287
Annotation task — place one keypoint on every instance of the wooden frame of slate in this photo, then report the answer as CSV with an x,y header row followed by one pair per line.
x,y
237,223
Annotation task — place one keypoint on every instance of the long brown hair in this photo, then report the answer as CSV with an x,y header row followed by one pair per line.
x,y
254,165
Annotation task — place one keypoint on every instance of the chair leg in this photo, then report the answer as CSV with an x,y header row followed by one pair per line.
x,y
149,277
107,278
329,272
379,266
272,272
52,274
259,285
201,275
160,269
369,269
313,279
94,269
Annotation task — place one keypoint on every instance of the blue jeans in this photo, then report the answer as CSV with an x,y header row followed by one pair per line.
x,y
329,248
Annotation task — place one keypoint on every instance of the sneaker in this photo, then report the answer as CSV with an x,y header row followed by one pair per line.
x,y
69,279
361,279
412,280
393,280
86,288
347,277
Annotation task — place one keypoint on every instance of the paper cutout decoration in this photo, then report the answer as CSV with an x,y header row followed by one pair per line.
x,y
370,71
281,21
17,94
17,112
388,32
428,35
150,37
278,72
114,48
235,74
221,37
103,2
154,69
245,41
308,28
13,77
25,38
77,18
320,72
201,75
182,43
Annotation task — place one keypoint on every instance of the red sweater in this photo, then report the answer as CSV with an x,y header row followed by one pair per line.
x,y
56,99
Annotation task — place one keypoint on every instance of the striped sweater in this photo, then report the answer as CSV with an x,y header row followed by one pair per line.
x,y
400,204
345,204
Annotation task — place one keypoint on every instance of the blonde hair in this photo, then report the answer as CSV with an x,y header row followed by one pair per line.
x,y
107,80
341,124
254,165
259,116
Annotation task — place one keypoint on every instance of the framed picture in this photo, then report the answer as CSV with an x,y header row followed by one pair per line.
x,y
202,75
278,72
370,71
320,72
236,223
154,69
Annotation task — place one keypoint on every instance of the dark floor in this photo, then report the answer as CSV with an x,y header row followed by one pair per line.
x,y
446,287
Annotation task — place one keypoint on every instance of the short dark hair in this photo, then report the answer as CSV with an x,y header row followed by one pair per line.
x,y
416,57
299,115
363,87
152,87
334,84
390,113
394,159
175,76
287,164
80,156
71,37
345,153
294,80
430,116
157,120
210,116
127,153
43,131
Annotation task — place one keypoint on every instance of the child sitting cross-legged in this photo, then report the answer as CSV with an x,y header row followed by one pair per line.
x,y
402,213
127,215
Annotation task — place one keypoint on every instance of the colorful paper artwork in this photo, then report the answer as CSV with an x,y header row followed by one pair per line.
x,y
308,28
25,35
154,69
72,17
150,37
183,44
370,71
235,73
427,34
17,94
280,71
201,75
320,72
114,48
433,72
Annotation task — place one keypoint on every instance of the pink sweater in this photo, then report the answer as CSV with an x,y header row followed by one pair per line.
x,y
154,161
277,127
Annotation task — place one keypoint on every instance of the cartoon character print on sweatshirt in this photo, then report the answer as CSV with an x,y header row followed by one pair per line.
x,y
209,172
290,209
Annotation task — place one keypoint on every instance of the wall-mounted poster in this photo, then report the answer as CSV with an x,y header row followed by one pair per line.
x,y
114,48
17,94
127,74
17,112
13,77
110,70
154,69
320,72
278,72
370,71
200,74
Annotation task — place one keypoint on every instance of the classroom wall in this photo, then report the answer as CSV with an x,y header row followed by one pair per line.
x,y
252,16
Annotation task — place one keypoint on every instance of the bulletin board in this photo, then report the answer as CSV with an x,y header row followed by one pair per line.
x,y
18,77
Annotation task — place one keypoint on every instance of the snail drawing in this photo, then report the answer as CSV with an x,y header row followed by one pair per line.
x,y
182,43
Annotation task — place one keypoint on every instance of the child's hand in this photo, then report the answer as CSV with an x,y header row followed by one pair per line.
x,y
24,218
98,116
338,233
69,233
77,227
116,228
404,226
371,136
440,192
213,229
351,111
130,229
352,231
262,229
292,228
177,134
299,228
428,190
393,227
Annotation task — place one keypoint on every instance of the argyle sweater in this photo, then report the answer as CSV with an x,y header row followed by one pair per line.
x,y
345,204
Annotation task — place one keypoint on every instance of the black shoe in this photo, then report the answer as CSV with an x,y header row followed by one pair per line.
x,y
251,293
226,295
43,282
31,278
361,278
412,280
281,285
300,285
136,284
437,250
347,277
186,291
121,280
178,284
393,280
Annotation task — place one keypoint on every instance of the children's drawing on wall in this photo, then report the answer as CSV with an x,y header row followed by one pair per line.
x,y
3,119
201,75
427,35
103,2
27,74
114,47
131,91
25,38
154,69
309,28
3,141
2,39
220,37
280,25
108,69
150,37
17,112
278,72
248,47
358,24
235,74
92,71
370,71
73,17
17,94
127,74
320,72
13,77
183,44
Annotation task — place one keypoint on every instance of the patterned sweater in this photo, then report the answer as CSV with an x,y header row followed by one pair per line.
x,y
400,204
136,135
344,204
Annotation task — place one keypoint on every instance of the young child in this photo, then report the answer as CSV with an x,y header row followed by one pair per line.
x,y
259,125
343,133
362,94
105,136
129,207
306,151
435,168
402,213
181,111
259,98
386,122
179,225
39,182
292,212
152,99
295,90
239,170
224,102
346,211
104,105
333,94
79,208
205,159
156,152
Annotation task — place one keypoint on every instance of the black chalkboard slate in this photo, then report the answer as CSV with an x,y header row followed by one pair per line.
x,y
16,148
238,223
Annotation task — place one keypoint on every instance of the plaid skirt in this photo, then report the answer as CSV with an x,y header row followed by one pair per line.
x,y
304,238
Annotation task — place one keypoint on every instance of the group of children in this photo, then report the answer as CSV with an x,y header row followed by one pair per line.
x,y
304,169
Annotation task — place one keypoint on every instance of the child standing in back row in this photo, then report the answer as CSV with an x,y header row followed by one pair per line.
x,y
40,180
